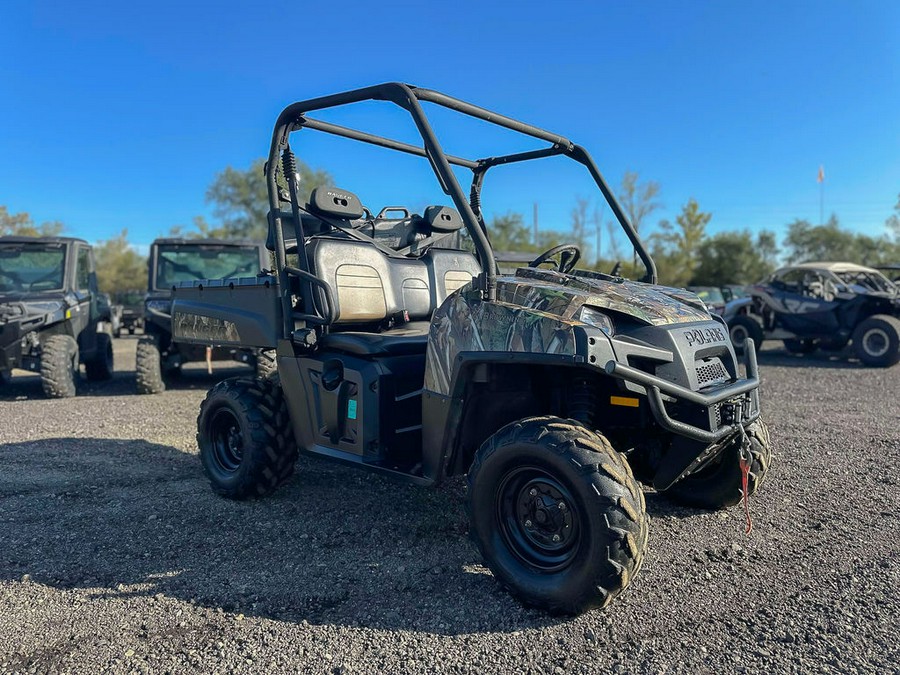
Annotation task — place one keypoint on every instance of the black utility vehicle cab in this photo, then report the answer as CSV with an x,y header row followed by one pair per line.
x,y
52,317
173,261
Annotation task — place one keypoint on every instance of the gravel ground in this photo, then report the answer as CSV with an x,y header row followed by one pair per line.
x,y
115,555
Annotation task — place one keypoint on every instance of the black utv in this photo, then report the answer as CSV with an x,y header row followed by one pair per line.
x,y
52,317
551,387
825,305
159,357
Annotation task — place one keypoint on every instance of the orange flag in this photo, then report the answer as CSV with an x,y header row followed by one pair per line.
x,y
821,177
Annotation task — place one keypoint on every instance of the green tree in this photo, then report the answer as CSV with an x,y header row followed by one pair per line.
x,y
508,233
241,203
893,222
675,247
830,241
735,258
22,224
807,242
119,266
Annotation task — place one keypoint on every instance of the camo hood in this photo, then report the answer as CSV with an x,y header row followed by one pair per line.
x,y
564,295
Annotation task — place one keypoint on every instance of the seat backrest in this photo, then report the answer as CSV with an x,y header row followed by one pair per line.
x,y
449,270
369,285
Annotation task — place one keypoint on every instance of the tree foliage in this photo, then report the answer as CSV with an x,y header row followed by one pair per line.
x,y
735,258
675,247
119,266
241,203
638,199
22,224
893,222
807,242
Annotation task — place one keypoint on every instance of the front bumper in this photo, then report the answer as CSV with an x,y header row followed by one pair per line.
x,y
742,396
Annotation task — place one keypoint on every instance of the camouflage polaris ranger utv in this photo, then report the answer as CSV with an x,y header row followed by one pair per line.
x,y
552,388
159,357
52,316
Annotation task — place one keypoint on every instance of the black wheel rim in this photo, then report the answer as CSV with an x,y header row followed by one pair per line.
x,y
227,440
538,518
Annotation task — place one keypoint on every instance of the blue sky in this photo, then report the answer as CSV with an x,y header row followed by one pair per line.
x,y
120,116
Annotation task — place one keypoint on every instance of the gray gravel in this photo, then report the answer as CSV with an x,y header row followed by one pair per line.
x,y
115,555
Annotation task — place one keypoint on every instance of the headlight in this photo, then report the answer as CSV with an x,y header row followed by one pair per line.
x,y
597,319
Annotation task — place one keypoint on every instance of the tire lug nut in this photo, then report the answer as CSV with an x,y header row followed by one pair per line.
x,y
527,523
562,506
555,537
532,492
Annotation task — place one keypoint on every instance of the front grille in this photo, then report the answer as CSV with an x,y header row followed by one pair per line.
x,y
710,371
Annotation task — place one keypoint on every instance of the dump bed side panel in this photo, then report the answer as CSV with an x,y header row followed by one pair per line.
x,y
242,312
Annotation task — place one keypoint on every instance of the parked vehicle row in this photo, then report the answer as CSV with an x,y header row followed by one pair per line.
x,y
53,319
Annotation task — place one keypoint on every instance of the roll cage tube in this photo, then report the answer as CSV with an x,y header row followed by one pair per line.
x,y
294,117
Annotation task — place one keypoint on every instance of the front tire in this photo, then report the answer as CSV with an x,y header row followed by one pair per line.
x,y
59,366
101,366
148,366
876,341
244,434
556,514
742,327
719,484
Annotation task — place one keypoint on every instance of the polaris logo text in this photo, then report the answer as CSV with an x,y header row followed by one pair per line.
x,y
704,336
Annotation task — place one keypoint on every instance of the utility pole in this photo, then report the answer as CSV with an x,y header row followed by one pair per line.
x,y
598,223
535,221
821,180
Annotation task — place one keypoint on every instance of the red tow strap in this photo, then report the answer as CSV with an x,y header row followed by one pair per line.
x,y
745,476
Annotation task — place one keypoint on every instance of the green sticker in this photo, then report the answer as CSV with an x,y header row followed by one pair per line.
x,y
351,409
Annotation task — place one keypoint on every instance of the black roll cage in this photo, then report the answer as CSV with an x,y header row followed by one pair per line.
x,y
408,97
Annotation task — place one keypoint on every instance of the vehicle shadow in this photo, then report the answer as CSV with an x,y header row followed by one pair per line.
x,y
26,386
334,546
818,359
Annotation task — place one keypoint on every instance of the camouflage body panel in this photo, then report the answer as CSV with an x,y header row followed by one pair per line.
x,y
463,325
536,312
564,295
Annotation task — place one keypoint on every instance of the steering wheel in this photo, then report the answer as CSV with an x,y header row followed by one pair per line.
x,y
570,254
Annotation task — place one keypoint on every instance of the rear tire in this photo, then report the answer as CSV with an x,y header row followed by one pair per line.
x,y
719,484
556,514
148,366
876,341
59,366
101,366
742,327
244,434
